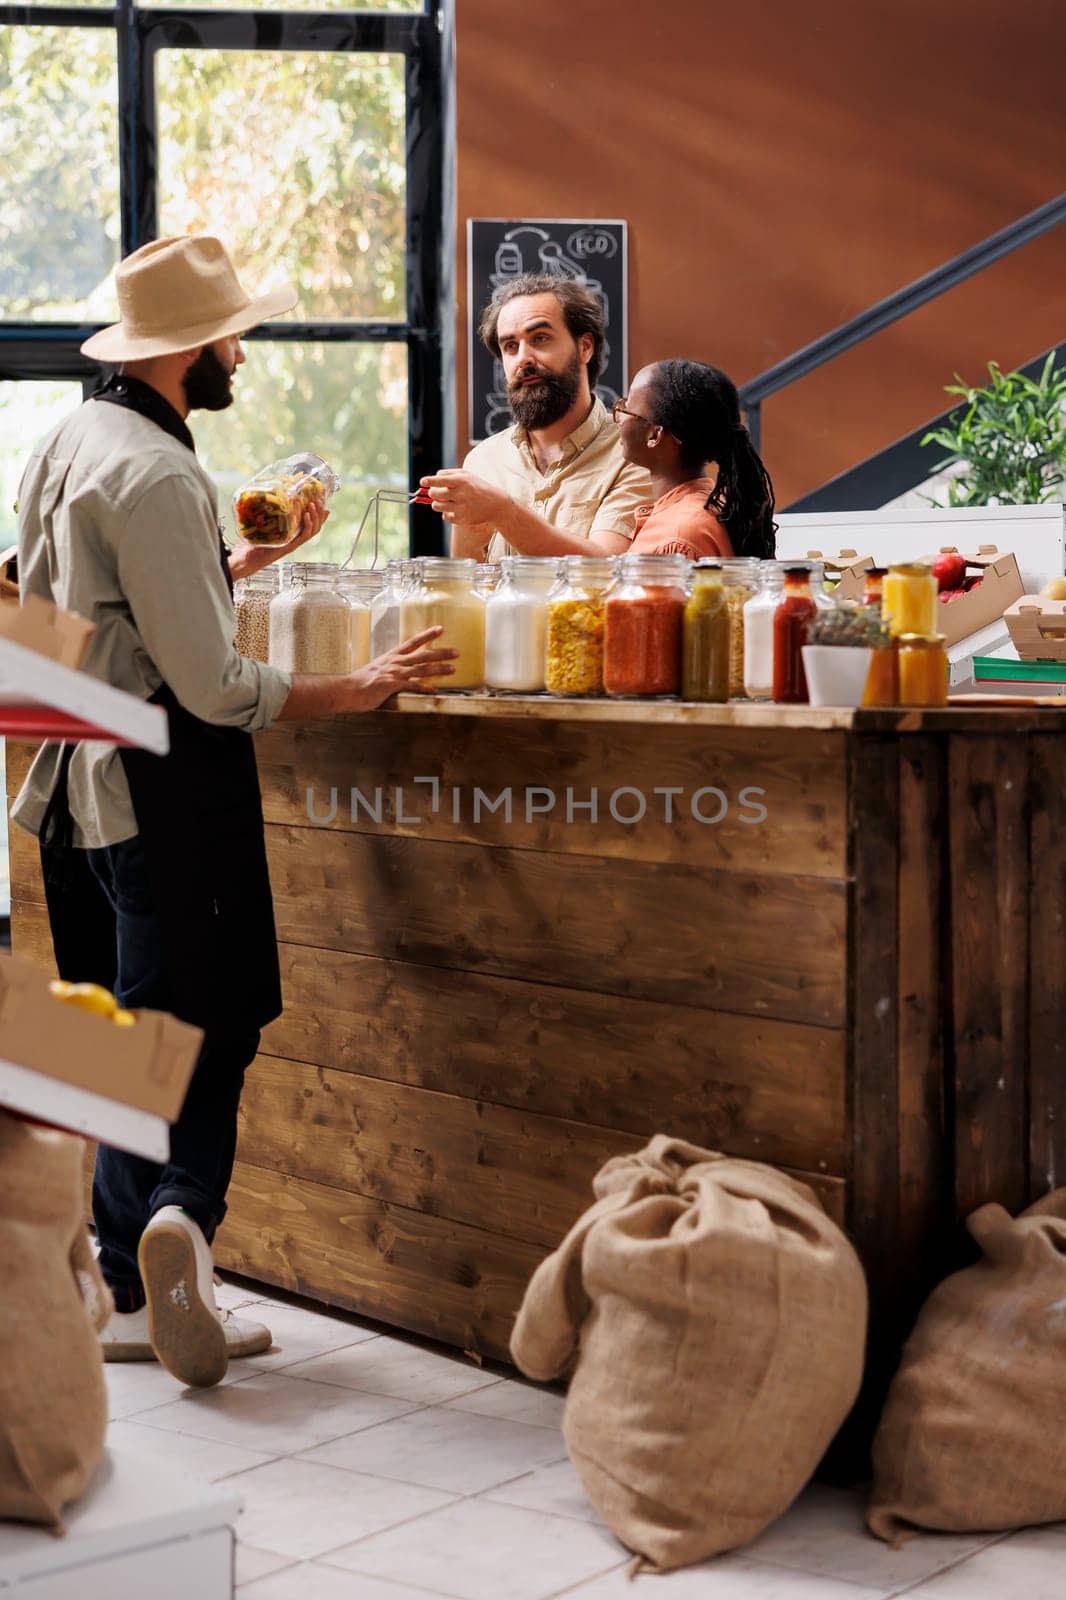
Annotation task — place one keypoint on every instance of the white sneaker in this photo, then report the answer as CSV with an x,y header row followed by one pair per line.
x,y
126,1336
187,1333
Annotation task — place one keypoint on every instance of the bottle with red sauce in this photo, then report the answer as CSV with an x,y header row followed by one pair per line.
x,y
792,618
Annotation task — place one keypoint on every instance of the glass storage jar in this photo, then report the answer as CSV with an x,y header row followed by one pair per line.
x,y
251,602
705,636
269,508
488,576
359,589
385,611
759,632
643,619
310,630
444,594
909,598
516,624
793,616
740,575
574,647
923,670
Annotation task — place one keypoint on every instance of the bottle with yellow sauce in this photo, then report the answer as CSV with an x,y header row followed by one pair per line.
x,y
908,598
445,595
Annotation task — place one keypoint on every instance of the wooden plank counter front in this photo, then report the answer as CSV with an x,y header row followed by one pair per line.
x,y
849,967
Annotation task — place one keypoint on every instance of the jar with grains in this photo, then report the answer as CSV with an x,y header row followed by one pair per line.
x,y
359,589
444,595
759,632
574,645
385,611
740,576
516,624
643,618
251,602
705,670
310,630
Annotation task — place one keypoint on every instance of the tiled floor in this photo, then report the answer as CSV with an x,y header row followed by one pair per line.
x,y
372,1467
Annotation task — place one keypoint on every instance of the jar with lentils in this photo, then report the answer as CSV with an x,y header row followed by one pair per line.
x,y
251,602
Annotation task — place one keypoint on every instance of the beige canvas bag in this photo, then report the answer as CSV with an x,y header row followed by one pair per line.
x,y
973,1433
718,1319
53,1401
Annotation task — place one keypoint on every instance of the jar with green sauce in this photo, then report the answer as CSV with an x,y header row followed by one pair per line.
x,y
705,639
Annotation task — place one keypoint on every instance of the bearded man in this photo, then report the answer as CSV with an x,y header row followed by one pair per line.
x,y
557,484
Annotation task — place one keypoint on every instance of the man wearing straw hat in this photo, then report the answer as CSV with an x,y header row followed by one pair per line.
x,y
155,867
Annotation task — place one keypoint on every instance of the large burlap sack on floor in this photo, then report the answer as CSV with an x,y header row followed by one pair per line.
x,y
973,1434
719,1319
53,1401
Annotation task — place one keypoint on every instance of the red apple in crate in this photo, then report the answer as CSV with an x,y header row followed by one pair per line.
x,y
949,570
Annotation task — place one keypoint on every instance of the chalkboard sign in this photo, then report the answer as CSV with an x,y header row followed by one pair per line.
x,y
497,249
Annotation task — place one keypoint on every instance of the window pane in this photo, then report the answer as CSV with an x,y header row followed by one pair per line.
x,y
347,403
28,410
296,160
59,173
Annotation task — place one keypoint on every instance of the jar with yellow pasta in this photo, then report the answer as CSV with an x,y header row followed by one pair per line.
x,y
574,643
444,594
740,578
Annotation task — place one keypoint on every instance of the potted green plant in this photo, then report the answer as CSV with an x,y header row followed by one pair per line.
x,y
841,640
1009,441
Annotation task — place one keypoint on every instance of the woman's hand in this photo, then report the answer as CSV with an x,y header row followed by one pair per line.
x,y
244,559
400,670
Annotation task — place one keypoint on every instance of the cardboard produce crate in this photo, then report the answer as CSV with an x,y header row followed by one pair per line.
x,y
38,625
1001,584
1037,628
147,1066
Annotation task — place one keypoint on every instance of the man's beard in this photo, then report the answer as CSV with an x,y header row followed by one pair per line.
x,y
207,384
538,405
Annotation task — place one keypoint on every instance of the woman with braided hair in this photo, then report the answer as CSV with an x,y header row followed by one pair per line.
x,y
680,419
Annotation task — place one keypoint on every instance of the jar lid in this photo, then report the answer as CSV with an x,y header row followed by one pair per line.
x,y
912,569
918,641
448,567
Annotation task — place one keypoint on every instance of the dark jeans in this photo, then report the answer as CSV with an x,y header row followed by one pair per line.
x,y
127,1189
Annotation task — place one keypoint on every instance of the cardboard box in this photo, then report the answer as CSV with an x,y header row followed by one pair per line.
x,y
60,635
147,1066
1037,628
844,561
1001,585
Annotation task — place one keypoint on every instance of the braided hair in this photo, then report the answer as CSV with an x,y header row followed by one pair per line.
x,y
699,405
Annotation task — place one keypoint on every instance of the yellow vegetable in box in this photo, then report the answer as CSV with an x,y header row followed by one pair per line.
x,y
86,996
124,1019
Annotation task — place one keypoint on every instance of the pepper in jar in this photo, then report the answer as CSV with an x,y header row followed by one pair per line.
x,y
643,622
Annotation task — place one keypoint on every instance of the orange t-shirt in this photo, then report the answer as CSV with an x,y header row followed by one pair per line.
x,y
679,524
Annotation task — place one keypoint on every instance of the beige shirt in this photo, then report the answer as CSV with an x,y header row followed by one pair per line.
x,y
591,489
118,522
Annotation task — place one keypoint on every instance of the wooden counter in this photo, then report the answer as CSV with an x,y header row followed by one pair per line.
x,y
863,987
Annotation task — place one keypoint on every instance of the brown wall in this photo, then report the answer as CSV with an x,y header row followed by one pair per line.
x,y
782,166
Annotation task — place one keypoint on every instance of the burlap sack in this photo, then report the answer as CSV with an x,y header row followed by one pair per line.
x,y
53,1401
973,1434
720,1317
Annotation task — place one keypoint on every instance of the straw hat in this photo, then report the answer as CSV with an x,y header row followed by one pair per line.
x,y
177,294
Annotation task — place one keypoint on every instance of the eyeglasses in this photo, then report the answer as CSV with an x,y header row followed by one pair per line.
x,y
620,410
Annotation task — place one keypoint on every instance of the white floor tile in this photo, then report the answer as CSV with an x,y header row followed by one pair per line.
x,y
517,1402
313,1581
486,1552
557,1490
393,1367
825,1533
726,1578
299,1334
135,1386
200,1458
274,1414
1030,1565
251,1563
301,1509
445,1449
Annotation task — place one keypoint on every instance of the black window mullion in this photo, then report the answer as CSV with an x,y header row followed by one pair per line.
x,y
425,180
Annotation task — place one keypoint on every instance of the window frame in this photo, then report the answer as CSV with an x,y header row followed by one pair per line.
x,y
43,350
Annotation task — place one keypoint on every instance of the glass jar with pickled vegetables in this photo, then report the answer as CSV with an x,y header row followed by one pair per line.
x,y
444,594
923,670
359,589
795,612
643,622
269,508
908,598
310,626
385,611
516,624
705,636
740,576
759,632
574,645
251,602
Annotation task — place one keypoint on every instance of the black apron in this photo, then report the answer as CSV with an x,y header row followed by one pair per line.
x,y
200,820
